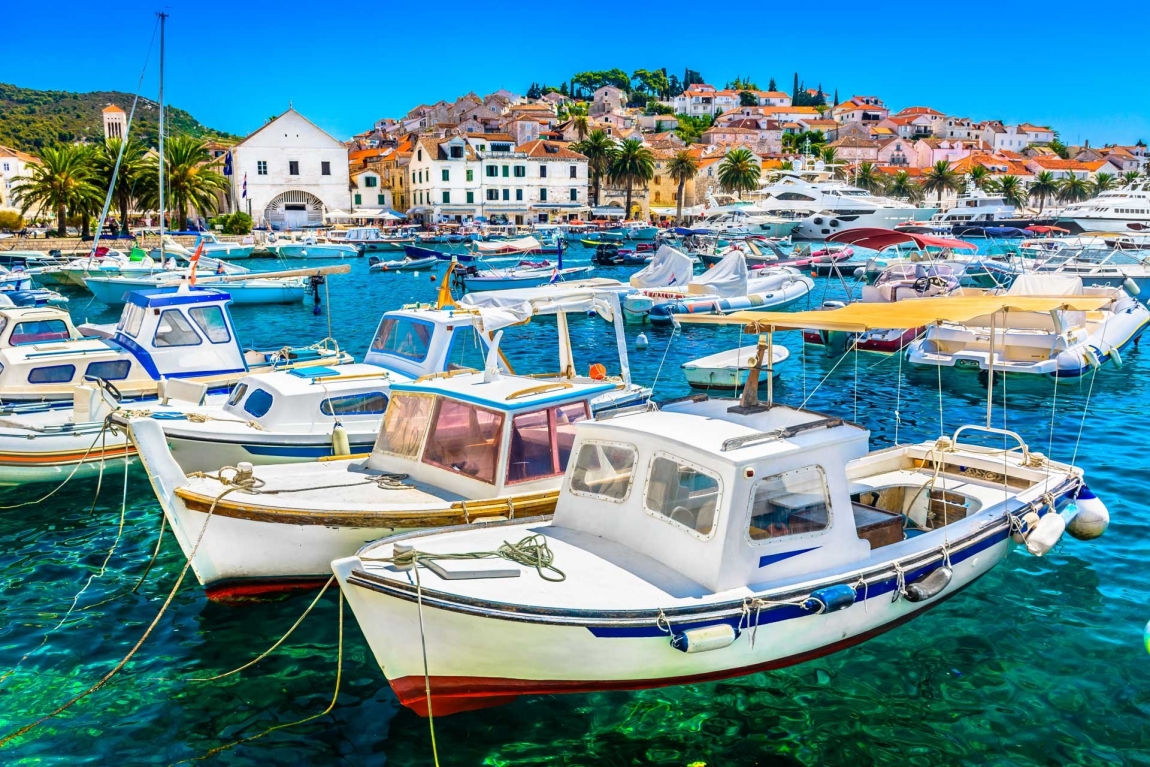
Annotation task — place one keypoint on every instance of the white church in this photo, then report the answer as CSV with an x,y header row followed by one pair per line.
x,y
294,172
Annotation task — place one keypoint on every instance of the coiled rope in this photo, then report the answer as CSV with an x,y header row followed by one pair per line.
x,y
531,551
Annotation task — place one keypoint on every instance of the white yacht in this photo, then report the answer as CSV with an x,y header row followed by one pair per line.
x,y
827,205
1121,210
976,210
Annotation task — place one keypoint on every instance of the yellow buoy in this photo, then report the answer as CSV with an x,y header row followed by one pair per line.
x,y
339,441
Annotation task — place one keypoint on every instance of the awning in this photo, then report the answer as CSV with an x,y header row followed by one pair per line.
x,y
609,210
906,314
879,239
558,206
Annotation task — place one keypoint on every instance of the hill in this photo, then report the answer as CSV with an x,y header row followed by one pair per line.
x,y
31,120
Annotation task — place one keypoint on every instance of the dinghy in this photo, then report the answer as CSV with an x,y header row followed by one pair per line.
x,y
703,540
455,448
730,369
408,264
310,247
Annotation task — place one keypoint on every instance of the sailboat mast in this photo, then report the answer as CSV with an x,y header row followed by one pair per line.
x,y
163,17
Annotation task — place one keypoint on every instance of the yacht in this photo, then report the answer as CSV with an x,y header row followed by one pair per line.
x,y
1121,210
826,205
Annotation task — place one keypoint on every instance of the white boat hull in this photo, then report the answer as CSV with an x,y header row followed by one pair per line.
x,y
113,290
823,224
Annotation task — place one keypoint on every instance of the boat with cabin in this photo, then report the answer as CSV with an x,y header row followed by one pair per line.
x,y
309,246
1117,210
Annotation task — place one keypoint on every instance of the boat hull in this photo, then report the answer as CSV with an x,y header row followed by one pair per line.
x,y
314,251
114,291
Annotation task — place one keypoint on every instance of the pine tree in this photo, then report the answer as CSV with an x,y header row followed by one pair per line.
x,y
836,97
772,86
563,89
820,97
795,91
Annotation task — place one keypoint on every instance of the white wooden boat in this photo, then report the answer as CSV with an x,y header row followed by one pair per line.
x,y
699,542
453,449
730,369
114,290
1059,345
407,264
310,247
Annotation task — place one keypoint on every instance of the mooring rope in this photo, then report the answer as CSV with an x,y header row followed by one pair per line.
x,y
81,462
531,551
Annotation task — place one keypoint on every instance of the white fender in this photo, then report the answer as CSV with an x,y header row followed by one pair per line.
x,y
1131,286
339,441
1087,517
1046,534
1029,522
1115,357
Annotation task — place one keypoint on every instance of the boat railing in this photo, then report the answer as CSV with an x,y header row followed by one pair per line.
x,y
991,430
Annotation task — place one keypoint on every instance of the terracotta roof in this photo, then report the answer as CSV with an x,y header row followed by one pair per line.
x,y
492,136
919,111
895,169
555,150
1029,127
112,108
855,142
433,144
10,152
1057,163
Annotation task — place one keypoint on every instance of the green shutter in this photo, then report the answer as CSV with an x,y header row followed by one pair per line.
x,y
446,174
358,199
380,199
470,196
446,198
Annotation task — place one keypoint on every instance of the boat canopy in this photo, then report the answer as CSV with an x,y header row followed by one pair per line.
x,y
911,313
727,279
668,269
880,239
523,243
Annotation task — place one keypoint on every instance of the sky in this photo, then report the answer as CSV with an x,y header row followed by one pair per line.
x,y
234,64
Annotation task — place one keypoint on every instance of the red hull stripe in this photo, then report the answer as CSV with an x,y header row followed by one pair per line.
x,y
455,694
228,591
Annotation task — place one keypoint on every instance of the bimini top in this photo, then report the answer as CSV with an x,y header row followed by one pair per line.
x,y
911,313
880,239
174,296
505,392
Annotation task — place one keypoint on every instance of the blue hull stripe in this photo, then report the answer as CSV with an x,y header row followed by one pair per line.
x,y
770,559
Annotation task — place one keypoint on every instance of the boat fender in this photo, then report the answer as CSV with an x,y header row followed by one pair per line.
x,y
706,638
339,441
929,585
1026,523
1046,534
1090,355
641,341
859,272
1087,516
830,599
1131,286
1115,357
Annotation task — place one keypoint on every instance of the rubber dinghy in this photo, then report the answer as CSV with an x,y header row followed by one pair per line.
x,y
699,542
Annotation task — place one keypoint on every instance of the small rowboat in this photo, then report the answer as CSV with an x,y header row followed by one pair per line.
x,y
408,264
730,369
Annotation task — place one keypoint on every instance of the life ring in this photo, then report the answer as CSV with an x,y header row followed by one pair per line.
x,y
777,530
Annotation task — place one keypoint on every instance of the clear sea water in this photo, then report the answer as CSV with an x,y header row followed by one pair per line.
x,y
1040,663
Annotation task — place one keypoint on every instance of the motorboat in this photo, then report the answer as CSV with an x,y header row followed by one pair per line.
x,y
1118,210
214,247
184,333
703,540
371,239
746,219
1060,345
976,209
1102,267
244,286
310,247
730,369
406,264
457,448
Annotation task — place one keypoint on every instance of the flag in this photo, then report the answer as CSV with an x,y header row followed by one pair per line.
x,y
245,194
195,261
554,276
228,163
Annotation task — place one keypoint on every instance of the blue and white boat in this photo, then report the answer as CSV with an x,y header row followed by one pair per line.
x,y
310,247
115,290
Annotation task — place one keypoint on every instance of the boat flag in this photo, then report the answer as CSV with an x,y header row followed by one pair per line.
x,y
245,194
554,276
228,163
195,261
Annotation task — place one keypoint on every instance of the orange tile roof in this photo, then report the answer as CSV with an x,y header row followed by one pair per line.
x,y
559,150
1057,163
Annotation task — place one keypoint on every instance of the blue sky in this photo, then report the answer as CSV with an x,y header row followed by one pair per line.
x,y
1081,70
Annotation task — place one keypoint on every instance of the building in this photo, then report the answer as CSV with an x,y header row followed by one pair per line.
x,y
1061,169
368,194
461,178
115,122
13,166
861,109
607,99
697,100
855,149
928,151
293,171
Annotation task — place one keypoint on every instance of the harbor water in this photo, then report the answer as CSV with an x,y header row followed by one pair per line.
x,y
1040,663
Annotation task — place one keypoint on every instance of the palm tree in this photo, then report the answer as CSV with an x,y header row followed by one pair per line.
x,y
1131,176
132,166
62,180
941,178
632,164
579,120
1013,190
1073,189
739,171
682,168
828,154
869,177
1044,187
599,149
1103,182
902,186
978,176
191,184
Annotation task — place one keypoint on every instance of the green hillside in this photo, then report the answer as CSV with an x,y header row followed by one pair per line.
x,y
31,120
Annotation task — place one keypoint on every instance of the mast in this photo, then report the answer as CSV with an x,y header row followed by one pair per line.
x,y
163,17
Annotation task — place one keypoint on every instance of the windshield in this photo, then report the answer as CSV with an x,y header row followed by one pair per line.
x,y
403,337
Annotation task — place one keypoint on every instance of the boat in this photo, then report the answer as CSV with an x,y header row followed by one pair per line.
x,y
525,274
246,287
456,448
370,239
730,369
1059,345
1118,210
183,333
975,209
703,540
745,219
407,264
1101,267
310,247
214,247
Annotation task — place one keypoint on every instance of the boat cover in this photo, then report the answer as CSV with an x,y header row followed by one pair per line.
x,y
1046,285
522,243
502,308
727,279
670,268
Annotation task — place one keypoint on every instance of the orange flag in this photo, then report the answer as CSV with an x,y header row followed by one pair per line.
x,y
195,261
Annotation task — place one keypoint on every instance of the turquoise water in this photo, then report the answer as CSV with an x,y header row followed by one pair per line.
x,y
1039,663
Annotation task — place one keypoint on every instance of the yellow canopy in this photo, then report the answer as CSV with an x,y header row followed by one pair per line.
x,y
912,313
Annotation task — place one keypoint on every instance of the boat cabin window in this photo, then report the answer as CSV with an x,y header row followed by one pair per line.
x,y
466,350
368,403
52,374
541,442
238,394
175,330
403,337
116,370
405,423
464,438
790,503
132,319
38,332
683,494
604,470
259,403
211,321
